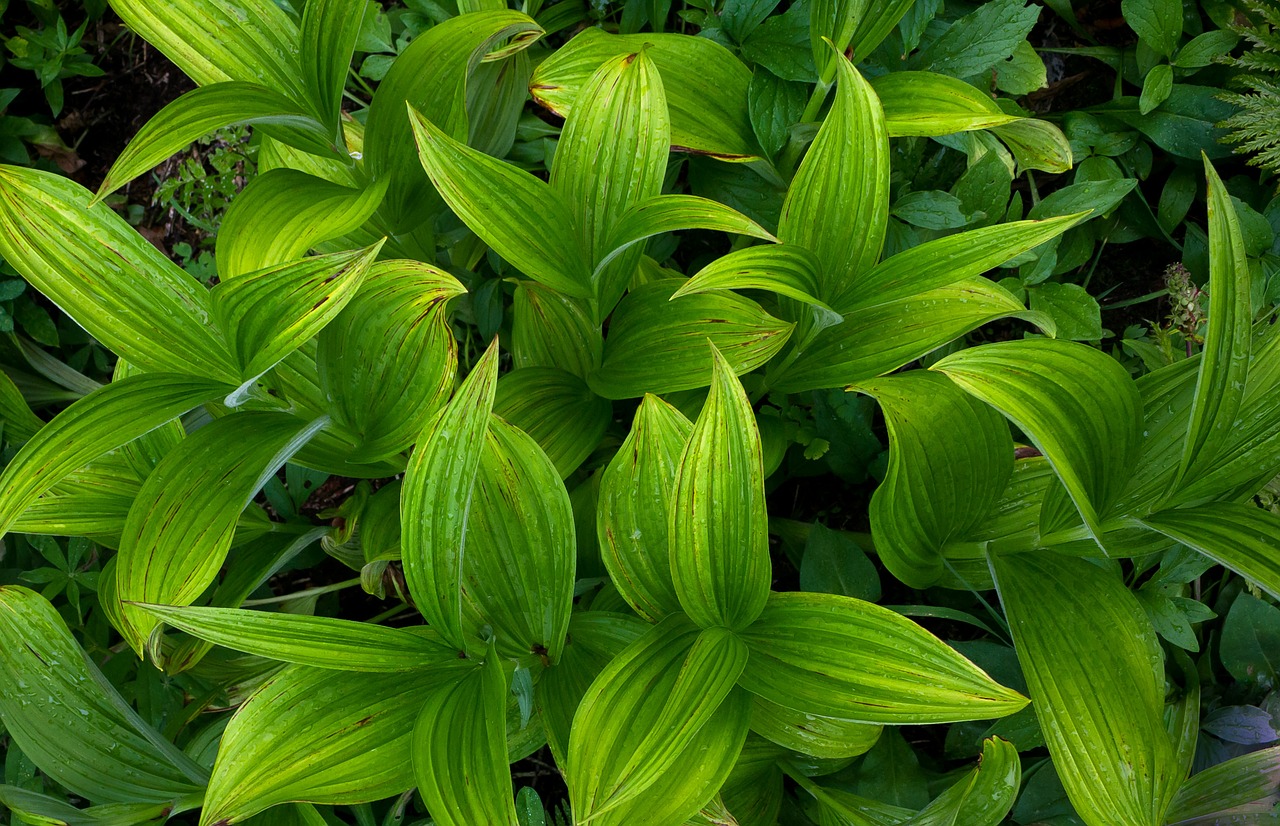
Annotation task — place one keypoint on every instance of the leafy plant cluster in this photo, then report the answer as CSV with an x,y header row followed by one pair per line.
x,y
686,280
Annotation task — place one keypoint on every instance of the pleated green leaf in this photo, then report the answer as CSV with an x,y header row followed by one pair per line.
x,y
1096,678
551,329
828,738
780,268
327,40
946,261
438,486
1243,537
321,736
838,203
180,526
68,720
705,86
1075,403
205,110
1220,789
107,277
319,642
283,213
20,424
558,410
984,796
633,522
950,458
1224,362
841,657
656,345
387,362
881,339
719,539
645,709
101,422
522,218
44,810
928,104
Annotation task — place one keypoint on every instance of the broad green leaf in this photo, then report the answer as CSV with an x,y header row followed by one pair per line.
x,y
558,410
1156,87
216,40
881,339
327,42
775,106
460,750
781,268
1232,783
1158,23
1076,404
612,154
975,43
875,24
928,104
551,329
319,642
205,110
284,213
321,736
837,206
1243,537
388,361
436,498
812,734
20,424
836,21
946,261
1077,629
645,709
498,202
754,789
43,810
180,526
107,277
950,457
61,711
719,538
705,86
101,422
1224,362
841,657
633,521
984,796
1036,144
656,345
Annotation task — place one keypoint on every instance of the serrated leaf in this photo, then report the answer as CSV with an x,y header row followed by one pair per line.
x,y
558,410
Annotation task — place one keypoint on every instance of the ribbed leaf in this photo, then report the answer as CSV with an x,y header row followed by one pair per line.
x,y
645,709
180,526
329,31
1246,779
842,657
284,213
1093,665
827,738
558,410
781,268
320,642
632,518
719,529
838,203
705,86
881,339
551,329
460,750
438,486
984,796
928,104
523,219
319,735
950,458
389,359
20,424
205,110
68,720
1075,403
1245,538
101,422
656,345
107,277
30,807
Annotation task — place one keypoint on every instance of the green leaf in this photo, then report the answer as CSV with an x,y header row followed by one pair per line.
x,y
645,709
20,424
781,45
1023,73
181,524
1231,783
950,458
1156,87
1075,313
558,410
1248,645
102,421
1158,23
328,35
205,110
979,40
283,213
705,85
945,261
1185,124
319,642
30,807
319,735
775,106
827,738
781,268
107,277
833,563
984,796
837,206
460,750
933,209
719,529
1203,48
928,104
474,185
1094,197
1077,629
551,329
1076,404
66,718
840,657
1245,538
657,345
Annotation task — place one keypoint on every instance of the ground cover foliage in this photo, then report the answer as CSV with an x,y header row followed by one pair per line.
x,y
817,413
